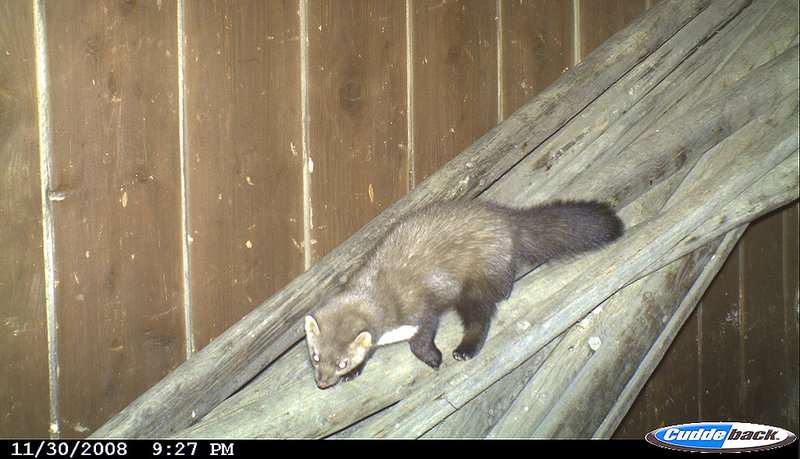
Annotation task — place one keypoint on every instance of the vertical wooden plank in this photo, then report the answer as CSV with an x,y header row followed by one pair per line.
x,y
357,114
721,364
637,419
116,213
600,19
791,320
597,21
747,339
711,340
537,47
455,78
677,379
244,157
764,332
24,389
670,396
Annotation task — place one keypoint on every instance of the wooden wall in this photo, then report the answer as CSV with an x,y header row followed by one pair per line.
x,y
736,358
167,165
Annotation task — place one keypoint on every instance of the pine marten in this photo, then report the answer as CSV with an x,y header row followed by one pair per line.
x,y
461,254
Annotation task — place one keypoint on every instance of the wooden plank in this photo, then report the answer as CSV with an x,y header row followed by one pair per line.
x,y
670,396
642,411
718,318
244,157
600,354
117,213
455,79
556,297
357,115
720,333
537,47
476,418
763,378
260,337
24,387
675,326
625,114
721,363
757,47
791,300
638,417
435,398
646,207
599,19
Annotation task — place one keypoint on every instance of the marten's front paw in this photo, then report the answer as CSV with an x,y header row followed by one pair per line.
x,y
434,359
465,352
431,356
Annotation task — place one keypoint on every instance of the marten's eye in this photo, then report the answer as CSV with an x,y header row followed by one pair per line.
x,y
315,357
342,365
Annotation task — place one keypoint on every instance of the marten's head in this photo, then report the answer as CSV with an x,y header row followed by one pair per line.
x,y
338,343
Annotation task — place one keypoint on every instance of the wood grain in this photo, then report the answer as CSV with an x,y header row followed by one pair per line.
x,y
259,410
429,401
656,355
424,398
762,316
719,331
116,172
624,114
599,19
663,402
537,46
791,322
115,187
24,387
721,328
455,79
244,157
357,115
624,329
726,343
262,336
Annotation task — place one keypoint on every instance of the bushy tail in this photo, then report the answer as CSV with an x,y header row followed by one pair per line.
x,y
563,228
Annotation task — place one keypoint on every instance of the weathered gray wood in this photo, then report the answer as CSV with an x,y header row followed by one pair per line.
x,y
271,412
731,157
199,384
625,399
479,422
476,419
436,398
749,137
632,107
623,329
765,39
695,123
727,168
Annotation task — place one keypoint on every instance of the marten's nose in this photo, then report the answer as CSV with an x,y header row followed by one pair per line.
x,y
323,385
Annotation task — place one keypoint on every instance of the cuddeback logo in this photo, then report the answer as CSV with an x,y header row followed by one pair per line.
x,y
720,437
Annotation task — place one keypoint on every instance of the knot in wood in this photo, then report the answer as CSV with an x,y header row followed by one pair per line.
x,y
350,94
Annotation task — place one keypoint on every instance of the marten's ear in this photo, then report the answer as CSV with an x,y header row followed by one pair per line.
x,y
363,340
312,327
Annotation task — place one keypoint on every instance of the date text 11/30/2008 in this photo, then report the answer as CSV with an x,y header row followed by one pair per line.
x,y
118,448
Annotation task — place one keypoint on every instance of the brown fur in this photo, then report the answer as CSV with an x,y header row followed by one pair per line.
x,y
461,254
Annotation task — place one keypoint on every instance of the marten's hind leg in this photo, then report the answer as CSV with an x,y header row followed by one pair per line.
x,y
476,318
476,309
